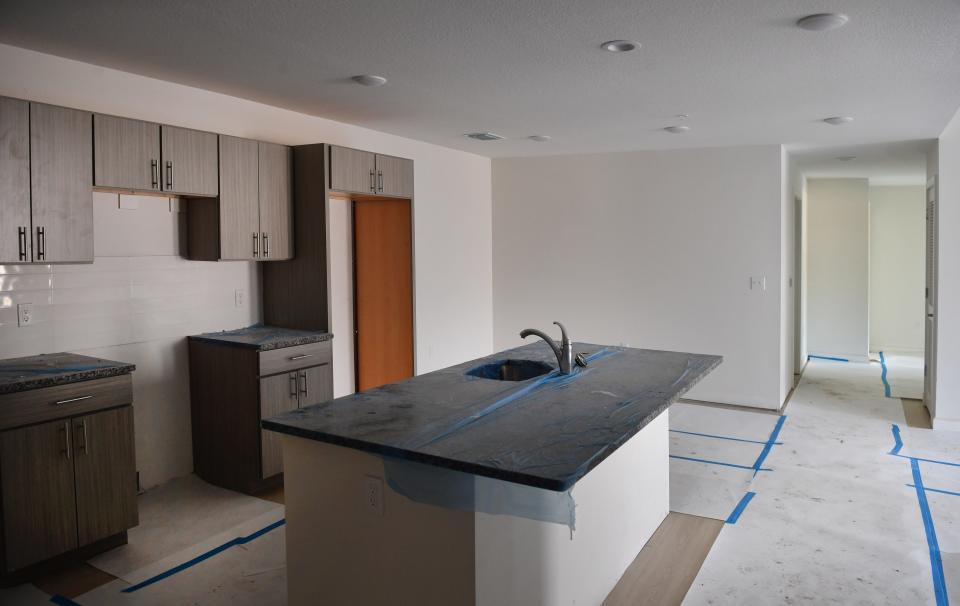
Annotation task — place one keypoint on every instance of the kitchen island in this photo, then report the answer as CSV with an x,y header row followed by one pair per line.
x,y
461,487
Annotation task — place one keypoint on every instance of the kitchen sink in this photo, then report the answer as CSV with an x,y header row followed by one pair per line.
x,y
511,370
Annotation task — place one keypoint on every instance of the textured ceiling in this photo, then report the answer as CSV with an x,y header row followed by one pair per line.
x,y
739,68
901,163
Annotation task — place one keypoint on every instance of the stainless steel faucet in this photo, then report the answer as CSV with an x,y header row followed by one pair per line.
x,y
564,351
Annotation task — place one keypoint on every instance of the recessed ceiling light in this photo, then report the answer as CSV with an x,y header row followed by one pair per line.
x,y
822,22
484,136
619,46
838,120
677,130
539,138
369,80
846,158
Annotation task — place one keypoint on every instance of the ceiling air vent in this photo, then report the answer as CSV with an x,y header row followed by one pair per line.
x,y
484,136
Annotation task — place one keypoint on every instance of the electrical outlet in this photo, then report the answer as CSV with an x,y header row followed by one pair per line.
x,y
373,495
238,297
24,314
758,283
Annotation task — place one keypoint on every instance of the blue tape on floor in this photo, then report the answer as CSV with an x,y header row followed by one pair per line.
x,y
769,444
735,514
831,358
936,564
897,442
62,600
883,375
710,435
934,461
204,556
938,490
709,462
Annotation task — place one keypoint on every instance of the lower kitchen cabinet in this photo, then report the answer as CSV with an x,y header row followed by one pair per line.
x,y
232,389
69,481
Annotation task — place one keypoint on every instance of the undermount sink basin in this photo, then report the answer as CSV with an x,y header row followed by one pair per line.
x,y
511,370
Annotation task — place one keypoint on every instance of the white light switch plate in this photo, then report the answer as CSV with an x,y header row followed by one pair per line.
x,y
758,283
24,314
373,495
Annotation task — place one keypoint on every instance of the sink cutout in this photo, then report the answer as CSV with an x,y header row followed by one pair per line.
x,y
511,370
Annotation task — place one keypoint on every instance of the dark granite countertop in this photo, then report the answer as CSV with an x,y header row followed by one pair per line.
x,y
47,370
546,432
264,338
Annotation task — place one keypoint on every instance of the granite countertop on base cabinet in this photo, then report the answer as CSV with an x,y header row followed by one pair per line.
x,y
264,338
47,370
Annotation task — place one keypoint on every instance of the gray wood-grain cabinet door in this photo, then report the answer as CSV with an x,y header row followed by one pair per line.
x,y
39,505
126,153
15,232
189,161
61,178
276,202
315,385
352,170
106,475
239,199
394,176
278,394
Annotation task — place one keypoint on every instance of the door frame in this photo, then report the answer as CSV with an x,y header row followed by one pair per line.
x,y
930,310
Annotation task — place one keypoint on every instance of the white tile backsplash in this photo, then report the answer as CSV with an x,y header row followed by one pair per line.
x,y
136,302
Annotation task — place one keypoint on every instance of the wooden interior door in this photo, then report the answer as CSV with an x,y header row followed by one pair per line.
x,y
383,283
106,472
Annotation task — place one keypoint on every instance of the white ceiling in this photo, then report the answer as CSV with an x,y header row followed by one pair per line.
x,y
900,163
740,68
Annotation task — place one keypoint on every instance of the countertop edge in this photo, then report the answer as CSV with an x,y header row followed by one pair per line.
x,y
34,383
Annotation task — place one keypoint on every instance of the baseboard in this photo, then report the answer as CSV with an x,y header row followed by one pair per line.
x,y
941,424
840,357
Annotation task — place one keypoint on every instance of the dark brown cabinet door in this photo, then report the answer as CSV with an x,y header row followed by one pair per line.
x,y
126,153
276,202
189,161
394,176
352,170
278,394
315,385
239,205
61,176
15,232
106,477
39,507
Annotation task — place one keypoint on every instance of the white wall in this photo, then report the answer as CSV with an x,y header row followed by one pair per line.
x,y
897,266
947,164
788,259
452,254
340,283
650,249
838,257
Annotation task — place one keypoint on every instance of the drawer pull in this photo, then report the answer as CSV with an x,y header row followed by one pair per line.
x,y
69,400
300,357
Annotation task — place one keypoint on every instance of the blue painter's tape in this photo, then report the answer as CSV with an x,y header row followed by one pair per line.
x,y
769,444
934,461
709,462
883,375
831,358
710,435
936,564
897,442
62,600
735,514
204,556
937,490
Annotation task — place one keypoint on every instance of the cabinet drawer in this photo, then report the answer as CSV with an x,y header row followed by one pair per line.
x,y
39,405
291,358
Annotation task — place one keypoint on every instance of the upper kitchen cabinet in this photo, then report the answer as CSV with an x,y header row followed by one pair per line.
x,y
252,219
355,171
126,153
188,162
14,181
61,184
352,170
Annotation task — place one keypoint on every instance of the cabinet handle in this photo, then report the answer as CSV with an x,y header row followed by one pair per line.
x,y
373,183
68,400
256,243
380,181
300,357
303,385
293,385
266,244
41,244
83,426
22,240
66,440
154,175
169,175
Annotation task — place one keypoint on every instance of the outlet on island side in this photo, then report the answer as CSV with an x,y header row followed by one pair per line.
x,y
373,495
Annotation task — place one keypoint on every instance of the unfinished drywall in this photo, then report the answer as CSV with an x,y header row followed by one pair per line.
x,y
897,265
649,249
452,247
838,272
